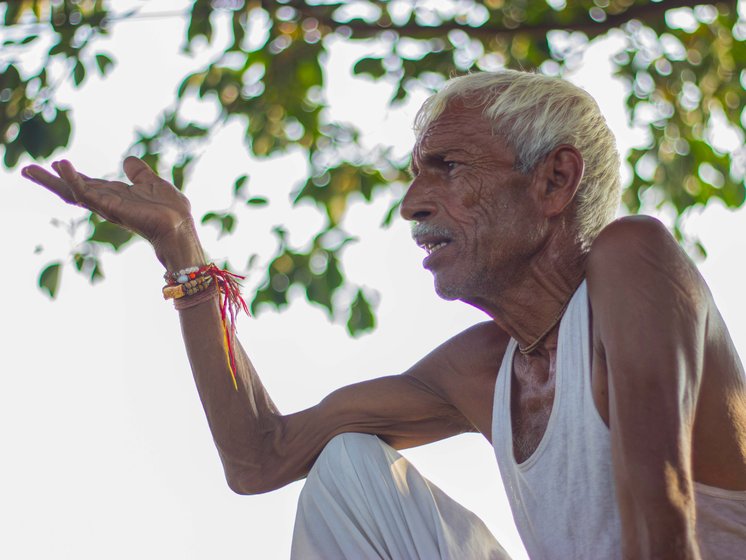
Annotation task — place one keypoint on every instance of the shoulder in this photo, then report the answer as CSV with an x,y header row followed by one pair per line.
x,y
486,336
467,353
638,254
631,237
645,293
463,370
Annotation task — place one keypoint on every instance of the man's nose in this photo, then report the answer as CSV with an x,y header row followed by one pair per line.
x,y
418,204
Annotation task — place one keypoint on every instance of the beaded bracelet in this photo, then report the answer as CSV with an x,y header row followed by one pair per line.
x,y
190,286
193,301
182,276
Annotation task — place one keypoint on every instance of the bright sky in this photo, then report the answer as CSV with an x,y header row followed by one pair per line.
x,y
105,449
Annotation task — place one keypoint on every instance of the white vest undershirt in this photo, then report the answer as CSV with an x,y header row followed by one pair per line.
x,y
562,497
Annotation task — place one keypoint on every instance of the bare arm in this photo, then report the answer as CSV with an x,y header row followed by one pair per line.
x,y
260,448
650,312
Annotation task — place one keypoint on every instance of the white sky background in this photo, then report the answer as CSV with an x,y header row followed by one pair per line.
x,y
105,449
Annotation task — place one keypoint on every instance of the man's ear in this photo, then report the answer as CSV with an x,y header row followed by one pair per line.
x,y
560,174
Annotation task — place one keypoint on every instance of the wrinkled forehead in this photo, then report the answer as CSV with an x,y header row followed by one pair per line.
x,y
457,123
461,126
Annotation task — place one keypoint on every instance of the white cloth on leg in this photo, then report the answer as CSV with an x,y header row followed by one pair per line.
x,y
362,500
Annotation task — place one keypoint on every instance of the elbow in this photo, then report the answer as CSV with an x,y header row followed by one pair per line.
x,y
249,479
259,468
247,484
245,478
238,486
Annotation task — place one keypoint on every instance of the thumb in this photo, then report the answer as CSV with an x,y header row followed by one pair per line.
x,y
138,171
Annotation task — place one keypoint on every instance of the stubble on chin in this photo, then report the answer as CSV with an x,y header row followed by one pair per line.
x,y
473,286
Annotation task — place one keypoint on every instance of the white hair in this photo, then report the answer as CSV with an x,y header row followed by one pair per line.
x,y
535,114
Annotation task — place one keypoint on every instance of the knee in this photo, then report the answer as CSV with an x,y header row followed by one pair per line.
x,y
349,452
346,446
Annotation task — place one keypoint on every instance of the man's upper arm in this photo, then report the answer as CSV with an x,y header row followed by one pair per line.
x,y
439,397
649,307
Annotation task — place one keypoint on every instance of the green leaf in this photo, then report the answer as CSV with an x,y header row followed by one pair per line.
x,y
210,217
34,135
257,201
319,292
112,234
391,213
13,12
104,63
225,221
191,130
228,223
239,184
199,22
96,273
88,263
49,279
178,173
60,131
79,261
78,73
372,66
13,152
56,48
361,318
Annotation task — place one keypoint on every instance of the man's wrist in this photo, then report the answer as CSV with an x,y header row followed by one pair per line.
x,y
181,249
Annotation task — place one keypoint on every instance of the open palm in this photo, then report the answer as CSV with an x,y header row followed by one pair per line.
x,y
150,207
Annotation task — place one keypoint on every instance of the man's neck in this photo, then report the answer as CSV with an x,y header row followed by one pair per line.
x,y
531,307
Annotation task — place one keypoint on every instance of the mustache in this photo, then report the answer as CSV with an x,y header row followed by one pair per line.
x,y
422,229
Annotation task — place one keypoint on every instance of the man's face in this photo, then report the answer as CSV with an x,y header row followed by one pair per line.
x,y
474,214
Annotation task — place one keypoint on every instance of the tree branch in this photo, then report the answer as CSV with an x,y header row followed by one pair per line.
x,y
362,29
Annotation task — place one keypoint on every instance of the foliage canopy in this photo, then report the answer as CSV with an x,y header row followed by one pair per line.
x,y
683,63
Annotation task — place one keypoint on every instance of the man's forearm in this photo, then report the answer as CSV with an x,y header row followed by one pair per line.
x,y
244,423
661,539
658,520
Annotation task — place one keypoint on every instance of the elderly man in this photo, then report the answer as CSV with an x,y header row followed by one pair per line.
x,y
605,380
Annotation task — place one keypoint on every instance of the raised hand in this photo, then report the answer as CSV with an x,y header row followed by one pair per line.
x,y
150,207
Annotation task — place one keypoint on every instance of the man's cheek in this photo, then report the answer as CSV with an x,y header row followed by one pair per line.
x,y
473,192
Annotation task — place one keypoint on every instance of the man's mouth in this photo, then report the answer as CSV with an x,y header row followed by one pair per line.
x,y
431,237
433,246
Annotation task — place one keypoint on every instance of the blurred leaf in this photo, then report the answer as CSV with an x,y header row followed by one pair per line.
x,y
111,234
96,272
104,63
270,85
199,22
49,279
391,213
361,317
224,220
371,66
239,183
78,73
178,173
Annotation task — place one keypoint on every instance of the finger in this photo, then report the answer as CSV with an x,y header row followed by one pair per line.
x,y
42,177
138,171
82,193
92,179
98,182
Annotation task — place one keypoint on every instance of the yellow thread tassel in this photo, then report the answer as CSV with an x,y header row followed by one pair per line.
x,y
226,344
228,356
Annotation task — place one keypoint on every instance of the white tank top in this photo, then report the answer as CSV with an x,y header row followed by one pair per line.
x,y
562,496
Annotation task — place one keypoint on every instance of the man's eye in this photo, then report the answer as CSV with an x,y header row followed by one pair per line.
x,y
451,165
